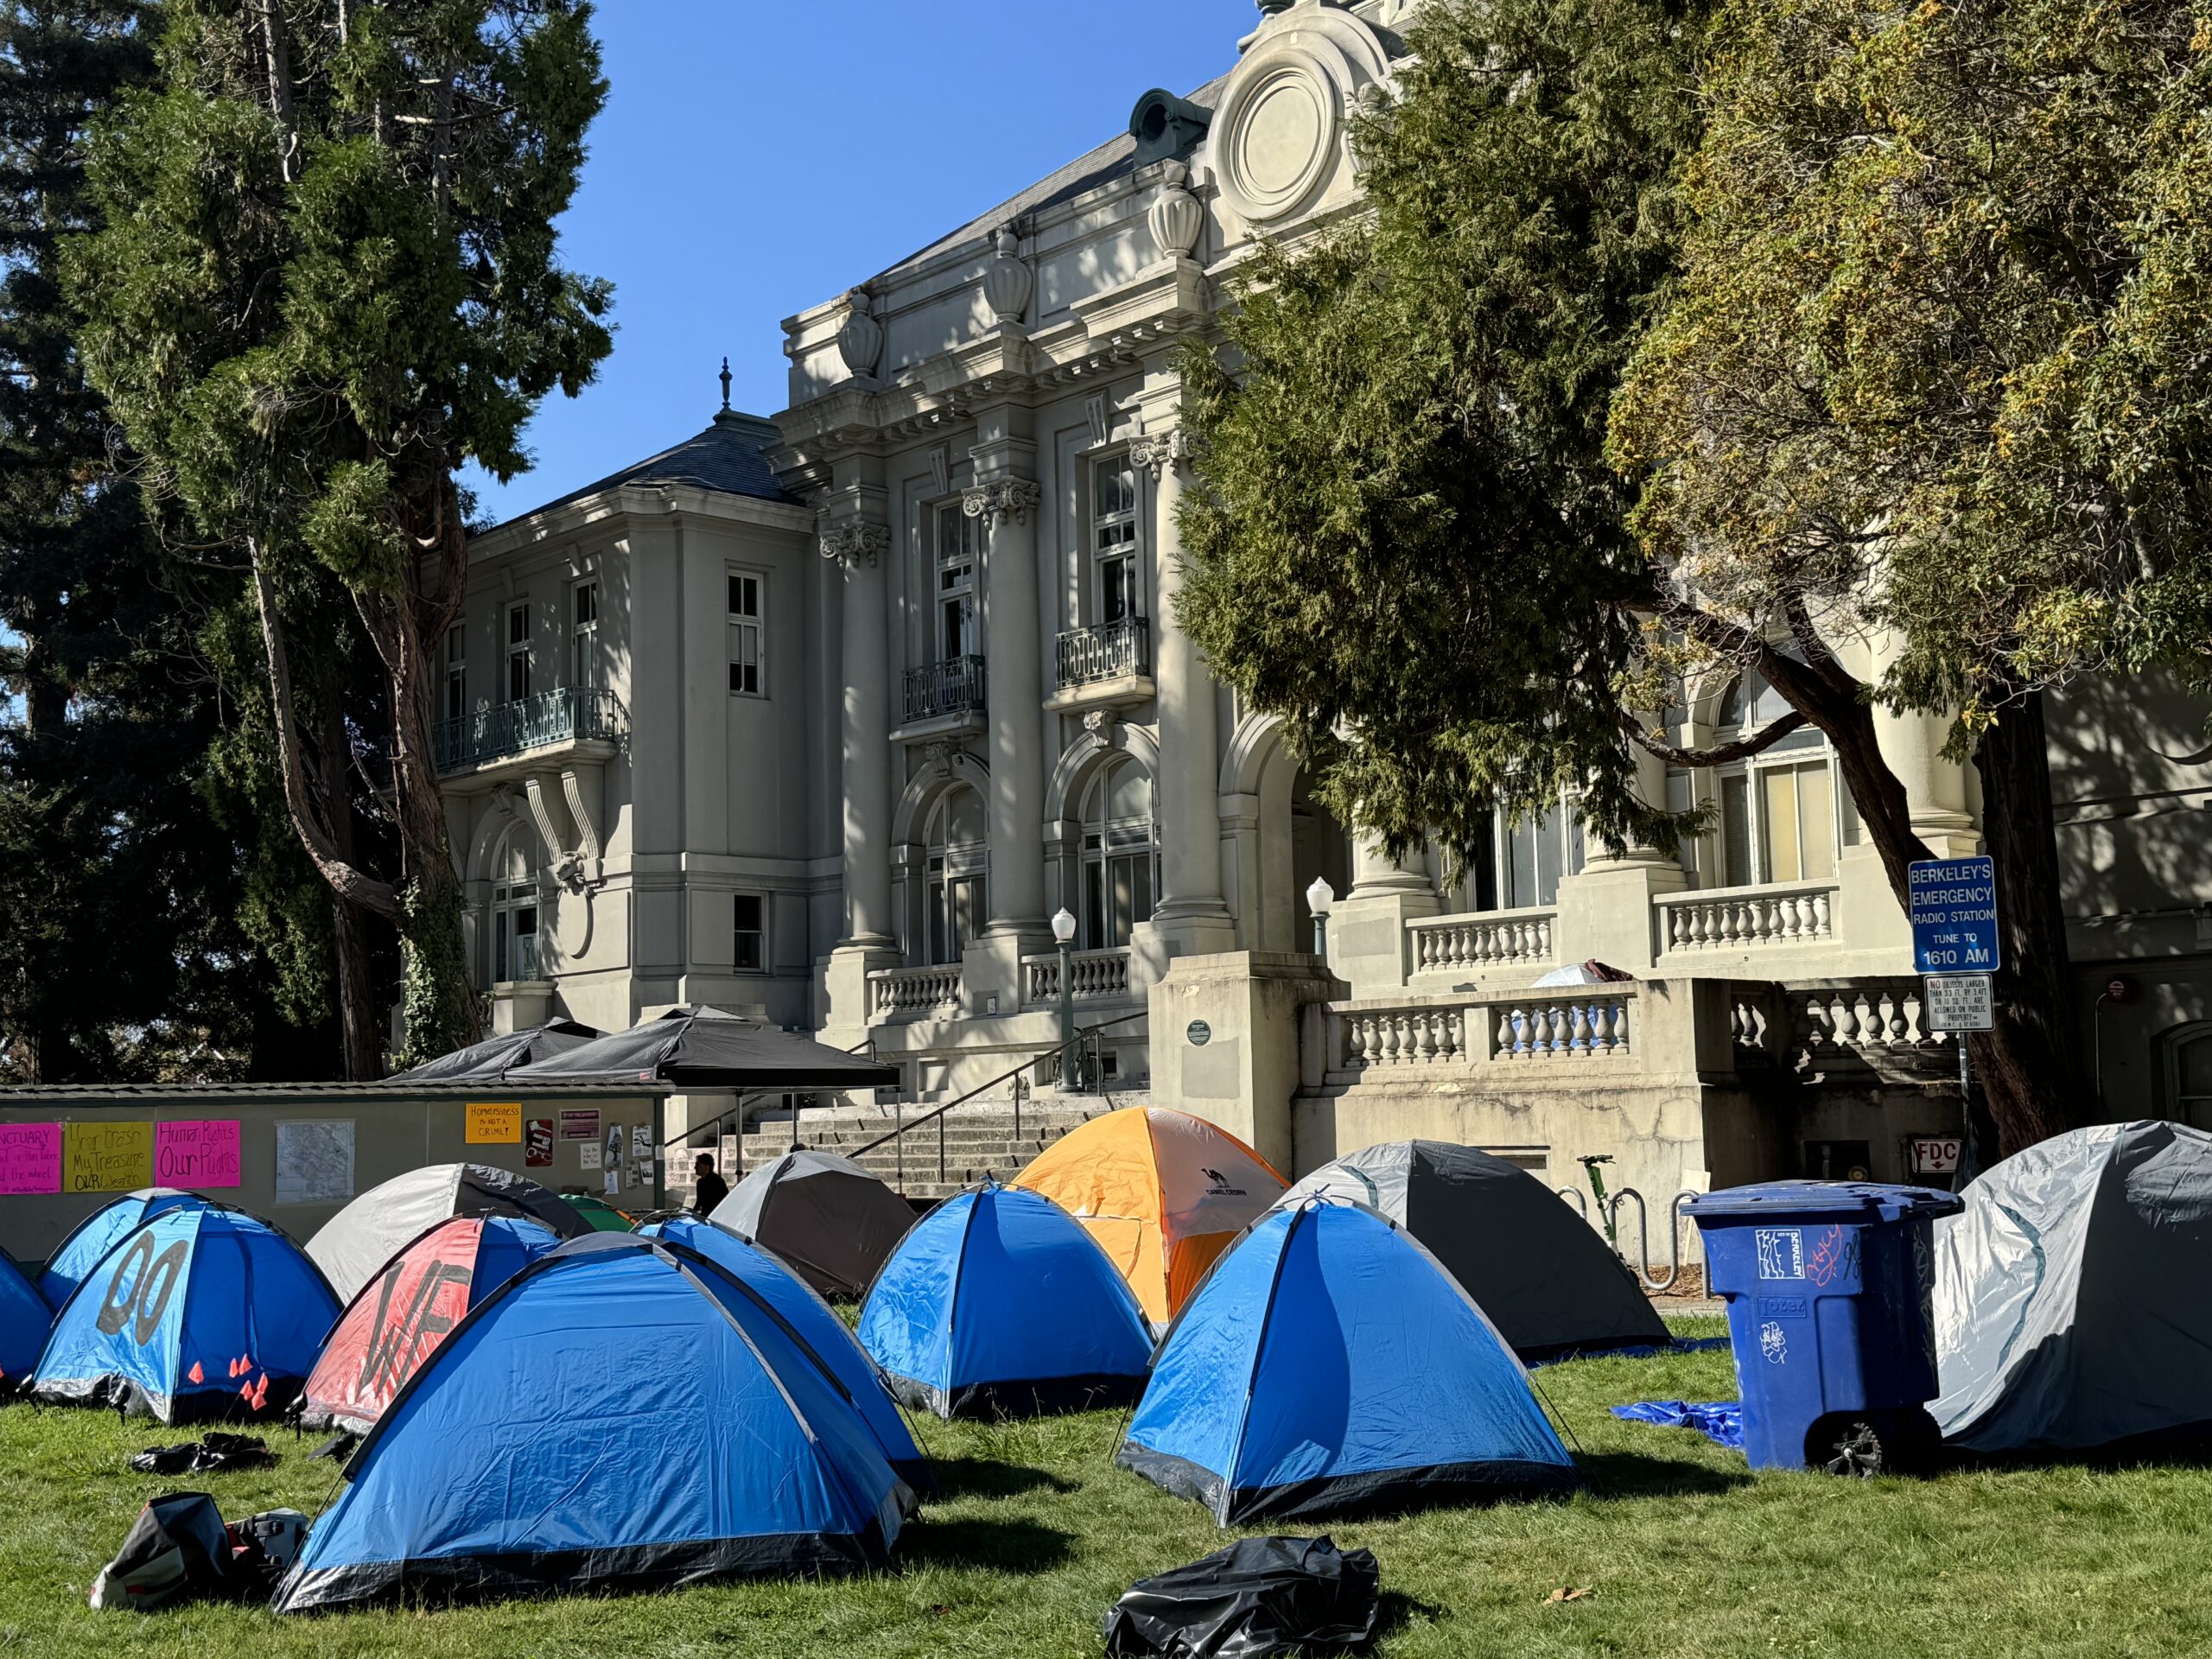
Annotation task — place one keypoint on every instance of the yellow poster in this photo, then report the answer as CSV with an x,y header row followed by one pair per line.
x,y
107,1157
497,1123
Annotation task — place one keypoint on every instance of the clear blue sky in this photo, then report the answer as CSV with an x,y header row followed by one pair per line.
x,y
759,156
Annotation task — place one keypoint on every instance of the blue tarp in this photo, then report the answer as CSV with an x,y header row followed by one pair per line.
x,y
1329,1362
998,1301
99,1233
622,1414
816,1325
201,1312
1721,1422
24,1321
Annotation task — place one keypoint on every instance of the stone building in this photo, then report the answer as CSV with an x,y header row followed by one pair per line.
x,y
828,716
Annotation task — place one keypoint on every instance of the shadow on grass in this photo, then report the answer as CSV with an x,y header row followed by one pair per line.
x,y
1394,1611
2188,1448
1002,1545
979,1478
1633,1474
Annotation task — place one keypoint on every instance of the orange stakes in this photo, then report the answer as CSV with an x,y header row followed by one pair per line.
x,y
1164,1193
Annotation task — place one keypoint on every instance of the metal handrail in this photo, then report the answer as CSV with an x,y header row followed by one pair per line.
x,y
954,686
563,714
1105,651
1088,1034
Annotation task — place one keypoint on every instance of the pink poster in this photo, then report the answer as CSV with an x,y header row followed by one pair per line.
x,y
30,1157
199,1155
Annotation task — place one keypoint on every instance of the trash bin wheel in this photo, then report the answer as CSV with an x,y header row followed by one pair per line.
x,y
1856,1447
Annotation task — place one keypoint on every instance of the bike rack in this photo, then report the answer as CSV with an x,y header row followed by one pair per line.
x,y
1580,1202
1642,1263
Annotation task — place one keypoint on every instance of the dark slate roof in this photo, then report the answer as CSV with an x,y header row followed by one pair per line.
x,y
728,456
1112,160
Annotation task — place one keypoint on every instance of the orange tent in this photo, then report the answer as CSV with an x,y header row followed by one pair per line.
x,y
1162,1192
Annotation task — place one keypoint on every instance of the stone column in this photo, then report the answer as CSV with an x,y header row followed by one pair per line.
x,y
1191,917
861,550
1011,646
1367,932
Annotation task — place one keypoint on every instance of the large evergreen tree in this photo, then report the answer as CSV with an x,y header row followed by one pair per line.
x,y
328,280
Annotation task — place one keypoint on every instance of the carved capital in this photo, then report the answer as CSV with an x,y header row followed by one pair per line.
x,y
851,545
1157,451
1010,500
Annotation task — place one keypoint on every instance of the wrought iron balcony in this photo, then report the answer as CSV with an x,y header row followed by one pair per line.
x,y
569,715
1111,650
949,688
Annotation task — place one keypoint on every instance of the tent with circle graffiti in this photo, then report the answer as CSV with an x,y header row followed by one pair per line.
x,y
100,1232
202,1313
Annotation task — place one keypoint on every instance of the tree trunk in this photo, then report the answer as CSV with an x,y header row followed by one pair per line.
x,y
2030,1065
359,1030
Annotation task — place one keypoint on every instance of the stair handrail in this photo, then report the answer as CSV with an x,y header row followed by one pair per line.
x,y
1088,1034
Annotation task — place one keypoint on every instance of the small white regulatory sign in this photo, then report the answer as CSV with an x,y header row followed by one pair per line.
x,y
1959,1002
1935,1154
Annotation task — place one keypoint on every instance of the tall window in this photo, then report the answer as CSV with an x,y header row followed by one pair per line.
x,y
959,540
1519,866
583,636
2189,1061
1114,539
1121,856
751,933
519,652
457,672
958,855
746,621
1778,810
514,913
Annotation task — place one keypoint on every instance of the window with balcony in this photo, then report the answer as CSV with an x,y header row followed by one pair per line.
x,y
751,918
456,703
1780,817
1121,856
1519,866
518,651
959,548
1113,540
956,860
746,621
583,636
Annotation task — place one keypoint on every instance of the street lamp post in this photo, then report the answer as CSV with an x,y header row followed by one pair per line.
x,y
1070,1063
1320,899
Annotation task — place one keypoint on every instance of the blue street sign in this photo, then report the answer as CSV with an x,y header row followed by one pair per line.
x,y
1955,915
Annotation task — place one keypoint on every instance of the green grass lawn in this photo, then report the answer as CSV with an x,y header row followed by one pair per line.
x,y
1683,1552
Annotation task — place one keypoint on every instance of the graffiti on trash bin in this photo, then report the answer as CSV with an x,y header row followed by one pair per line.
x,y
1774,1343
1835,1254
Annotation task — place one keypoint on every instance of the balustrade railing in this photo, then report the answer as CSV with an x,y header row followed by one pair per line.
x,y
954,687
1097,976
563,715
1860,1019
916,990
1110,650
1743,918
1587,1026
1491,939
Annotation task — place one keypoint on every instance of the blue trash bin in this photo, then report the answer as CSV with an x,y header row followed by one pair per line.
x,y
1829,1286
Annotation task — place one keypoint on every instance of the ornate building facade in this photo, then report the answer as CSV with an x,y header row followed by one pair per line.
x,y
828,716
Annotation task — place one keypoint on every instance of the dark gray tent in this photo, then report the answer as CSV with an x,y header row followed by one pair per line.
x,y
1541,1273
492,1058
707,1048
355,1243
2071,1308
832,1221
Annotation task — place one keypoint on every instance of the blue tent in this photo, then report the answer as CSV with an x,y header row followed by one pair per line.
x,y
813,1322
24,1320
997,1301
100,1232
622,1414
201,1312
1329,1364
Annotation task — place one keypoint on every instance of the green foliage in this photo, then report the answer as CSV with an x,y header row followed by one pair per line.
x,y
1939,360
1407,540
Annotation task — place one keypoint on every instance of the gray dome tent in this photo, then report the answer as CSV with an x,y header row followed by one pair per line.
x,y
2070,1302
355,1243
1541,1273
492,1058
832,1221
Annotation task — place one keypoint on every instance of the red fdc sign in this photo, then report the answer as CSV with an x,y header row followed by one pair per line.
x,y
1935,1154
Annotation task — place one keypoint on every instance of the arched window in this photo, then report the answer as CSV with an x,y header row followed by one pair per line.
x,y
514,912
959,855
1121,856
1780,817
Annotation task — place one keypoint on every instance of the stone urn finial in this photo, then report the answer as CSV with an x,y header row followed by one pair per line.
x,y
859,342
1007,282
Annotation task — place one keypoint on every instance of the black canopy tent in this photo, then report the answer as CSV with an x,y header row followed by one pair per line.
x,y
492,1059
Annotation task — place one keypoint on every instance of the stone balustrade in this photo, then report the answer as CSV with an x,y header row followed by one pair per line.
x,y
1098,977
1459,944
1745,919
1868,1020
1584,1026
911,992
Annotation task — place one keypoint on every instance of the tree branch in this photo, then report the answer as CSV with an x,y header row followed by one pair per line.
x,y
1758,743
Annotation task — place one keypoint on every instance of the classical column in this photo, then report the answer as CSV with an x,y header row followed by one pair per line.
x,y
1191,917
860,550
1013,649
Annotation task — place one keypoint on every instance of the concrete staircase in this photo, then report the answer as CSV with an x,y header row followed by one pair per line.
x,y
979,1140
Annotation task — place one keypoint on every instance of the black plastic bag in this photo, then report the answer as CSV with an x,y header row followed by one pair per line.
x,y
177,1550
1261,1595
217,1452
